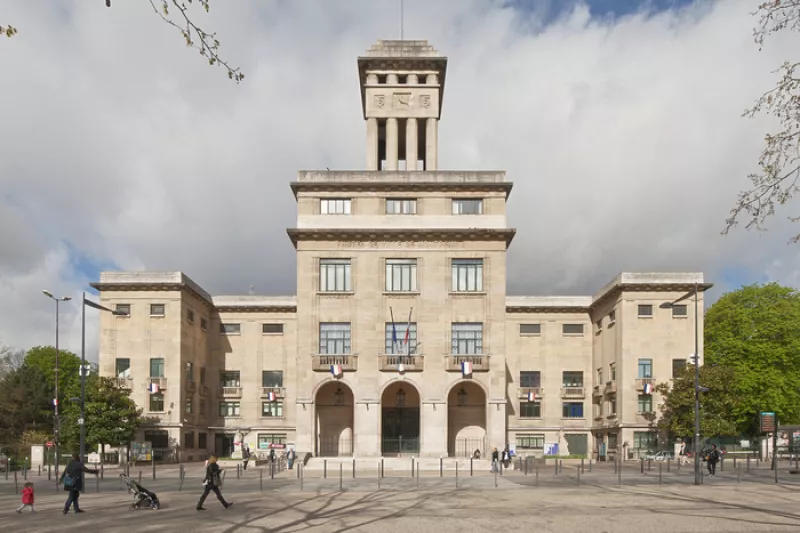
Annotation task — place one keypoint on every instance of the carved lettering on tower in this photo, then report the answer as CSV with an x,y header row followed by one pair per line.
x,y
402,100
379,100
425,100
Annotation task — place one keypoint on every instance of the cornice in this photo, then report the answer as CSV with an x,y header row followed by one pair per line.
x,y
403,187
367,235
153,287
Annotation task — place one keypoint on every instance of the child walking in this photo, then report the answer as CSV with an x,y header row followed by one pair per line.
x,y
27,497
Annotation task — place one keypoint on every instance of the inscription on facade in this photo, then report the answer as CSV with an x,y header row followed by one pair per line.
x,y
425,101
402,100
379,100
389,244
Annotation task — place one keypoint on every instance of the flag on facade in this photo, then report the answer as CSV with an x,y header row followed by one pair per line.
x,y
270,396
153,388
531,396
336,370
466,368
401,367
394,332
55,401
408,332
648,388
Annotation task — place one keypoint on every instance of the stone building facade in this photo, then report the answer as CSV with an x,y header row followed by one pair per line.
x,y
401,339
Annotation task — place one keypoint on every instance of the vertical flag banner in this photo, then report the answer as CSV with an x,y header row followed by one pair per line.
x,y
394,332
408,333
401,368
270,396
336,370
153,388
466,368
648,388
531,396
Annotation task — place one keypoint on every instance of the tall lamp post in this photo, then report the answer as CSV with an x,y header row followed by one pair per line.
x,y
55,399
697,388
84,372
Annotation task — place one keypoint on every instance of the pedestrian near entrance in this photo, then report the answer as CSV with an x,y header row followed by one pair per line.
x,y
290,455
495,460
212,483
27,497
711,460
245,456
72,478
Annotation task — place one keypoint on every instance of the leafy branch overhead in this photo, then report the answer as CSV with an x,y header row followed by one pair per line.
x,y
776,181
195,36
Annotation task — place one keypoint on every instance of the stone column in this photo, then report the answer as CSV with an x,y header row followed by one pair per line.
x,y
431,144
304,437
411,144
496,433
433,429
391,144
365,430
372,144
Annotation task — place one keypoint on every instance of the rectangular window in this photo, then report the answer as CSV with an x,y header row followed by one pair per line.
x,y
272,378
202,409
467,338
157,367
202,375
572,329
334,338
156,403
334,275
401,206
204,324
530,442
334,206
612,370
467,275
530,329
401,275
230,379
123,308
645,310
530,379
572,379
188,440
123,368
189,371
272,329
644,440
190,316
202,441
272,409
530,409
230,329
265,440
472,206
679,311
572,410
189,406
612,441
395,338
228,408
612,406
645,403
678,365
157,309
645,368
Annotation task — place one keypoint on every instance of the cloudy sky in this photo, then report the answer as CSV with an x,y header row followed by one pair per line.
x,y
618,121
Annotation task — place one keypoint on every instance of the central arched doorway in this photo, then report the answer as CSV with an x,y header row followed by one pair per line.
x,y
333,420
400,419
466,420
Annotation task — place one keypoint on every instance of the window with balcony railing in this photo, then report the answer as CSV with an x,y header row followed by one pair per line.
x,y
530,379
645,368
272,378
334,338
229,379
157,367
123,368
394,339
466,338
571,379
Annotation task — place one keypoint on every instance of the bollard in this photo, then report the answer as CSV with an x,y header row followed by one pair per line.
x,y
96,483
659,474
261,479
776,468
641,463
238,471
669,461
470,466
441,467
102,471
748,464
379,476
412,467
417,478
16,484
649,465
324,469
456,473
619,473
40,470
722,464
582,467
341,469
382,467
734,462
25,473
526,466
140,477
181,474
555,463
560,466
739,474
615,464
495,479
679,464
302,475
536,469
578,476
272,470
154,467
354,468
590,465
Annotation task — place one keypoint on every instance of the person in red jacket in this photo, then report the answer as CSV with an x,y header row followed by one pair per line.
x,y
27,497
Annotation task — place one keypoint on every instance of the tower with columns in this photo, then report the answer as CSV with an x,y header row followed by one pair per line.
x,y
402,86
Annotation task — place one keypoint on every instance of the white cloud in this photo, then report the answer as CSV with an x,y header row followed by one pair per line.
x,y
623,138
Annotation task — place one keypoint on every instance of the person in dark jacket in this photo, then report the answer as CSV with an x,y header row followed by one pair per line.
x,y
495,461
212,482
72,478
711,461
245,456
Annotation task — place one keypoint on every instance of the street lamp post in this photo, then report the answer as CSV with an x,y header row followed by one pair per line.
x,y
697,388
55,398
90,303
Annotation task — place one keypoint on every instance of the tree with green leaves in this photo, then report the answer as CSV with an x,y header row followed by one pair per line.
x,y
776,181
69,364
716,405
25,404
755,332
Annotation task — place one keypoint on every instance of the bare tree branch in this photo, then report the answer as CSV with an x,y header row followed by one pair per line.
x,y
207,44
776,182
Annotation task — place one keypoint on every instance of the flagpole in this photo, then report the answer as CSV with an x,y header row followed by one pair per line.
x,y
394,333
408,333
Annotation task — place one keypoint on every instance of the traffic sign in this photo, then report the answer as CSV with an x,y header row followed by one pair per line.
x,y
49,444
80,421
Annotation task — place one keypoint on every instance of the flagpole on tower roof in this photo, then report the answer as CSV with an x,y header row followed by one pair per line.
x,y
401,20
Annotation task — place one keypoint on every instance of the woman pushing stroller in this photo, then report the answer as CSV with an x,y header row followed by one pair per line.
x,y
212,482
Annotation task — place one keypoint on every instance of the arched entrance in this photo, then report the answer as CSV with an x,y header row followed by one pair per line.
x,y
333,420
466,420
400,419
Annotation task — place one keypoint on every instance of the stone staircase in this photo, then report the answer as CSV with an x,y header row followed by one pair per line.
x,y
396,464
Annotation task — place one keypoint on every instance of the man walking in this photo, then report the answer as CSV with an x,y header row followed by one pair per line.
x,y
72,478
711,460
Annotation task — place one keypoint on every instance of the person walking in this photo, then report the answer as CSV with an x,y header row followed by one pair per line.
x,y
72,478
711,461
495,461
212,482
245,456
27,497
290,455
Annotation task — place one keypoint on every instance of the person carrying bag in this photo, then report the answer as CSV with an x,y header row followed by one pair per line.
x,y
212,482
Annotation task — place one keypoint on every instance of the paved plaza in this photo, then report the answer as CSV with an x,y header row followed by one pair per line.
x,y
551,502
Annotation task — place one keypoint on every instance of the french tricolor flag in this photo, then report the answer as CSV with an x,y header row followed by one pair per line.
x,y
153,388
466,368
270,396
531,396
401,368
648,388
55,401
336,370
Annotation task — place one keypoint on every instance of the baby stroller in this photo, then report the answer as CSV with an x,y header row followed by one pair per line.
x,y
142,498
